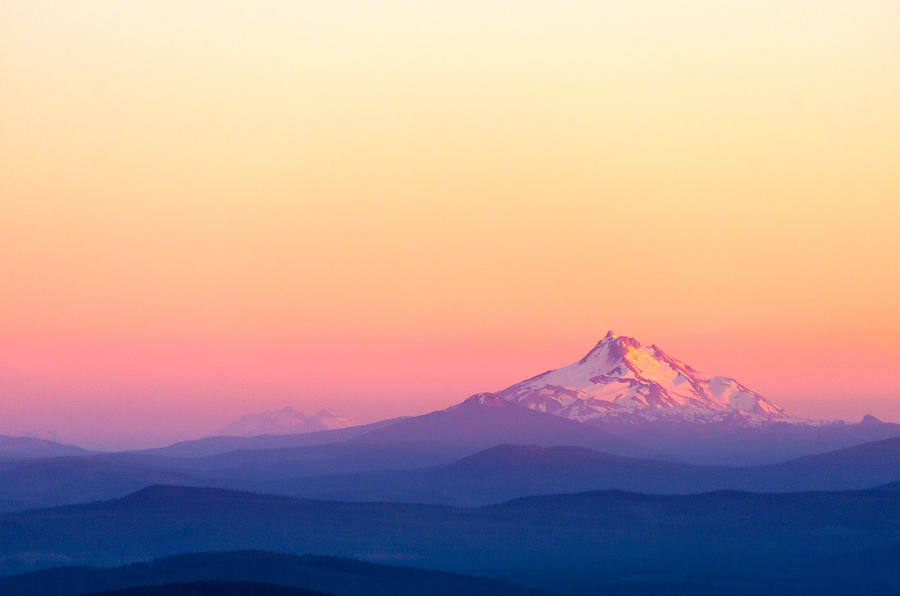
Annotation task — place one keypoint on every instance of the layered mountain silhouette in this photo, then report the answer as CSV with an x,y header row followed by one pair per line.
x,y
510,471
777,543
422,472
616,474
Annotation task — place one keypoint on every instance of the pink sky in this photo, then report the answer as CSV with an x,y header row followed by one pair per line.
x,y
207,210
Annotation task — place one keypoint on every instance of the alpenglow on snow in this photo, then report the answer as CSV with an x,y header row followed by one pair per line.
x,y
622,380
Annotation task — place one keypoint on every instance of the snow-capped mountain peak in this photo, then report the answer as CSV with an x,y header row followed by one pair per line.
x,y
286,421
622,379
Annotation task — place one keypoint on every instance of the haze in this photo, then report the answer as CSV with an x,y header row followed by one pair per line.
x,y
208,209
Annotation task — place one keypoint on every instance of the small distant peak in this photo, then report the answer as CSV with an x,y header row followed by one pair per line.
x,y
869,419
326,413
609,335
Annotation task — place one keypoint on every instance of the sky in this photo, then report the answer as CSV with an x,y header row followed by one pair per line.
x,y
209,208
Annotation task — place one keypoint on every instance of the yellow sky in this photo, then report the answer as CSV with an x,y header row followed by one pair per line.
x,y
494,182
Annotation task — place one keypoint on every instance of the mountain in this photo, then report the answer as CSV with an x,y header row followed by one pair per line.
x,y
622,380
337,576
658,402
224,444
637,400
486,419
511,471
585,543
29,447
286,421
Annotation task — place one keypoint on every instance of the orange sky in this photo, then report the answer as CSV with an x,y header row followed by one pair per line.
x,y
209,208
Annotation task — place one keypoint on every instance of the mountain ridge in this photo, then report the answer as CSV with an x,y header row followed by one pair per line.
x,y
18,447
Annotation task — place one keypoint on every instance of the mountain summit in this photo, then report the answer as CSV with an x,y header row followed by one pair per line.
x,y
621,380
286,421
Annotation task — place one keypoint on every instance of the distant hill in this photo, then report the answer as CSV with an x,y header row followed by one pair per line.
x,y
28,484
29,447
271,573
210,588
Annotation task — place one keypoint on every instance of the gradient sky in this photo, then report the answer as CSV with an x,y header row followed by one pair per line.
x,y
211,208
